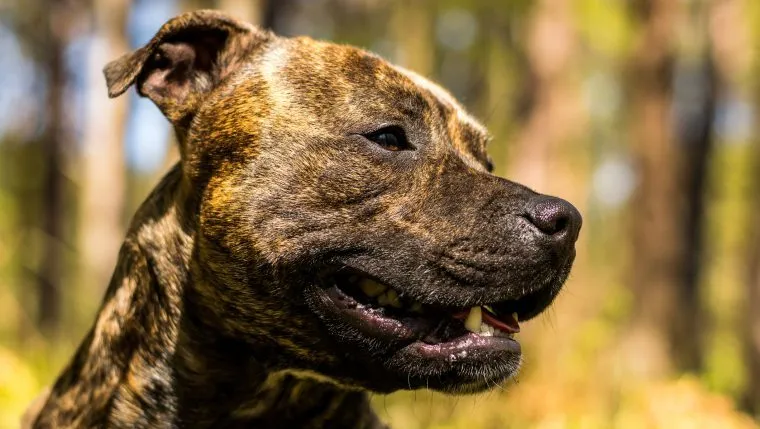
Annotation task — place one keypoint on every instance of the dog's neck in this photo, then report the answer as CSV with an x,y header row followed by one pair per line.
x,y
151,360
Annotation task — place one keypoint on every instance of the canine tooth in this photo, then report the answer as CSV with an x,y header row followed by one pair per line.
x,y
372,288
474,319
416,308
514,316
393,300
489,308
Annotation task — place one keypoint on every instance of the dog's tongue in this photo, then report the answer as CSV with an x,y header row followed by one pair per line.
x,y
507,323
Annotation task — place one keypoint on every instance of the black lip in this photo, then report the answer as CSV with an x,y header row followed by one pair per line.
x,y
527,305
435,333
459,348
410,336
399,352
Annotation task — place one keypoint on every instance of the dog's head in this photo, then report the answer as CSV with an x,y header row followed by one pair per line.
x,y
345,212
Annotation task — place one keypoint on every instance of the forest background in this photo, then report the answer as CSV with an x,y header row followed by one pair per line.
x,y
643,113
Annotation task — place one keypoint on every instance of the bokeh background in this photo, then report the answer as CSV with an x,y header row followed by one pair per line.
x,y
643,113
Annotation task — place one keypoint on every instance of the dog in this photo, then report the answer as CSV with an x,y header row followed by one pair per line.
x,y
332,228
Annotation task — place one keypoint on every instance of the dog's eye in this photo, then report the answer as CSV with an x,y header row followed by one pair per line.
x,y
390,138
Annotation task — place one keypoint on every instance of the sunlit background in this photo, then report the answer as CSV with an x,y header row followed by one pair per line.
x,y
643,113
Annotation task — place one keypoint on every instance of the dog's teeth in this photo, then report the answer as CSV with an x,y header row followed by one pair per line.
x,y
489,308
372,288
474,319
383,299
393,300
416,308
514,316
486,330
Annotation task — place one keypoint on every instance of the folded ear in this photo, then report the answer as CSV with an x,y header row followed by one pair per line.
x,y
185,60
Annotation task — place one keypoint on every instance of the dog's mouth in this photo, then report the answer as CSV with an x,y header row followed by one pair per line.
x,y
387,313
427,340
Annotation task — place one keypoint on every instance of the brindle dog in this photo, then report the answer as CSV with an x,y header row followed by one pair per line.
x,y
332,228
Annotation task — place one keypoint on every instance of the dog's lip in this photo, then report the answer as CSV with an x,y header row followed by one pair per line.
x,y
461,347
401,325
526,305
406,335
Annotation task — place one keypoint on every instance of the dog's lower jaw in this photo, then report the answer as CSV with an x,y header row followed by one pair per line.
x,y
248,393
145,364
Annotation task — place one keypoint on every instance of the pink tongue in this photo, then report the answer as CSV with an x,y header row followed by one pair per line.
x,y
509,324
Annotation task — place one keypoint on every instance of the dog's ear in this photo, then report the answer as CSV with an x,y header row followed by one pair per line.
x,y
185,60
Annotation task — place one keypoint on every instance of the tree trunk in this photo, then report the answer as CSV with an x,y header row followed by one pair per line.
x,y
103,180
751,399
668,210
541,157
412,27
250,10
53,142
274,11
695,134
656,263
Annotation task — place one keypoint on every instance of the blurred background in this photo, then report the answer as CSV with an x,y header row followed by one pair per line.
x,y
643,113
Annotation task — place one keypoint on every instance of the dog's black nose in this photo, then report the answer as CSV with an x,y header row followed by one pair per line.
x,y
555,217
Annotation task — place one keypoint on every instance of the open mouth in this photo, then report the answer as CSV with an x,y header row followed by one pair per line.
x,y
387,314
415,336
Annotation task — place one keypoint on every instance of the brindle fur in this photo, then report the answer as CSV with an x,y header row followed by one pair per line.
x,y
205,323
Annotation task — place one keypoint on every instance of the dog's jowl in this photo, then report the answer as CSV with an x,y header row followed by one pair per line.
x,y
332,228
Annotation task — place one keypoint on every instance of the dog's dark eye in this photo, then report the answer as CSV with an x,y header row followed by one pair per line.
x,y
390,138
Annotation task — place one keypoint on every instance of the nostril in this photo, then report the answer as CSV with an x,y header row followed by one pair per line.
x,y
554,216
559,225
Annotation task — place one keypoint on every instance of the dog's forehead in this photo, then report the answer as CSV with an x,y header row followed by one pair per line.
x,y
301,70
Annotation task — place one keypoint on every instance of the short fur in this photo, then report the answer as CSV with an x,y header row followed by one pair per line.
x,y
212,317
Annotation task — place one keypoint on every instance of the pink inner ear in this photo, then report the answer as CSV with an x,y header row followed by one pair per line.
x,y
182,65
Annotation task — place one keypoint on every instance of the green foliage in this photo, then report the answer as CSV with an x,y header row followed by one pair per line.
x,y
605,26
576,373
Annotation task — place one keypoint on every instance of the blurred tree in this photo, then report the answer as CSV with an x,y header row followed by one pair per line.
x,y
553,115
695,106
549,44
103,181
752,316
672,153
274,12
412,30
52,24
656,264
53,141
505,74
249,10
188,5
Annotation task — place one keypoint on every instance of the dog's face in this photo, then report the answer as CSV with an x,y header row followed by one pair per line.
x,y
346,214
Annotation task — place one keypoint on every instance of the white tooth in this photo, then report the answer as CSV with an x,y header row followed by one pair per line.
x,y
383,299
489,308
372,288
514,316
483,329
393,298
416,308
472,323
486,330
